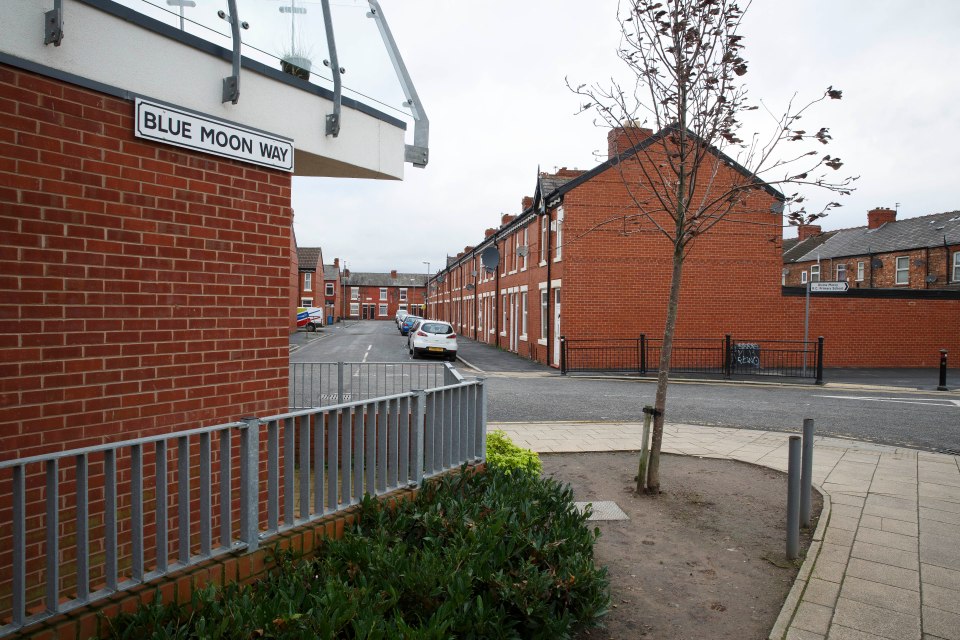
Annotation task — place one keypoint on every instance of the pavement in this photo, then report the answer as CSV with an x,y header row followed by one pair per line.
x,y
885,559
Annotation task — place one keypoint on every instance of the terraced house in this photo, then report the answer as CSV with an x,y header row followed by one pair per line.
x,y
378,296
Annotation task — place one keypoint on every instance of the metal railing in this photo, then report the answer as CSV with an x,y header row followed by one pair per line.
x,y
725,356
86,523
315,384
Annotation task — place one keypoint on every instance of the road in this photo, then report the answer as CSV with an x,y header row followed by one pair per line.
x,y
922,420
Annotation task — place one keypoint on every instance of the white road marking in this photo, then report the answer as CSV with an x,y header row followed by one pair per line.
x,y
933,402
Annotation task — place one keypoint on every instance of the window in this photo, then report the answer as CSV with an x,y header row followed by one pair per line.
x,y
503,307
308,281
544,225
329,289
383,293
354,293
526,250
516,251
956,266
544,301
354,309
841,273
306,302
523,314
402,307
383,310
860,271
814,273
559,250
403,294
803,277
903,270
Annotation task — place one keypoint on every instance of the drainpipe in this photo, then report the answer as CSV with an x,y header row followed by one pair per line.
x,y
946,261
496,296
549,316
926,268
476,292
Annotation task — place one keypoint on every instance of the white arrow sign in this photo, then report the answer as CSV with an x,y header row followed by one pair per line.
x,y
832,287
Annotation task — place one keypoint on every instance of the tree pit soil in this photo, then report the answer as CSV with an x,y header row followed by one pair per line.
x,y
704,559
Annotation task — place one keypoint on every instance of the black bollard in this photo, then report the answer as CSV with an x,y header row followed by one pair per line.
x,y
943,371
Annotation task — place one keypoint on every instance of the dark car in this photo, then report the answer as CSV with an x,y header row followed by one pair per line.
x,y
407,323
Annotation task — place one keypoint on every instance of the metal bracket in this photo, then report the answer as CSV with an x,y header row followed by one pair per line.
x,y
417,153
652,411
231,84
333,119
53,24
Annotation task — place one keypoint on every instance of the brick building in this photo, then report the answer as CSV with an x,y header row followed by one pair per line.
x,y
913,253
332,290
309,265
378,296
571,264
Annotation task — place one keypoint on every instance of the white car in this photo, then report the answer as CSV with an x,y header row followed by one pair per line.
x,y
434,337
401,314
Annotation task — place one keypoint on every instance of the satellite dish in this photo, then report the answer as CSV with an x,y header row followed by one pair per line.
x,y
785,271
470,287
522,251
931,278
776,207
918,262
440,278
877,263
490,258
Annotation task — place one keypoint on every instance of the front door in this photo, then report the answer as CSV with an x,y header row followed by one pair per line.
x,y
556,326
513,322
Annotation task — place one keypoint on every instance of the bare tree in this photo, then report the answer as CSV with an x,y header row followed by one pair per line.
x,y
685,60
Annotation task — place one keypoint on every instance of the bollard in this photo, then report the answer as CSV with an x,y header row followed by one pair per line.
x,y
806,473
793,499
943,371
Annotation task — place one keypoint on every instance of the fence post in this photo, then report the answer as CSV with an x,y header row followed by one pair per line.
x,y
419,412
643,354
339,383
793,499
943,371
563,355
727,357
250,482
482,418
806,472
820,360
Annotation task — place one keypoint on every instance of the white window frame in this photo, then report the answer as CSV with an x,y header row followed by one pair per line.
x,y
306,302
905,260
383,294
328,289
523,315
403,294
815,273
803,277
544,228
307,281
860,270
504,301
382,311
402,307
526,244
516,252
558,254
354,308
354,293
841,272
544,308
956,266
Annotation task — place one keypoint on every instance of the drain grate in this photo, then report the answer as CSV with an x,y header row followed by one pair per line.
x,y
603,510
949,452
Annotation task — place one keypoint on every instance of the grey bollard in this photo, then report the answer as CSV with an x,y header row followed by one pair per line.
x,y
806,473
793,499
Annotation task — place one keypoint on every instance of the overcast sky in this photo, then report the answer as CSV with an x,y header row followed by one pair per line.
x,y
491,77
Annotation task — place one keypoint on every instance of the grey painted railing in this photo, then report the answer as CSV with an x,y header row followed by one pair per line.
x,y
89,522
315,384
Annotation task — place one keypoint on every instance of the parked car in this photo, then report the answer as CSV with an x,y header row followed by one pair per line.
x,y
309,318
407,323
416,325
401,314
435,338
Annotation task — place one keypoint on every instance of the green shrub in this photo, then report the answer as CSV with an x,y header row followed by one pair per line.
x,y
473,556
503,454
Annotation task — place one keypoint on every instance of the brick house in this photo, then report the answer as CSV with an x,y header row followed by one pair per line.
x,y
309,264
378,296
570,264
332,290
913,253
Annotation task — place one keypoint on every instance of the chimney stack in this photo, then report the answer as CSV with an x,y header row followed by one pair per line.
x,y
346,273
620,139
393,274
805,231
880,216
506,219
489,232
526,203
336,263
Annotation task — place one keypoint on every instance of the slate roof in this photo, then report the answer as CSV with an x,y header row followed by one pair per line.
x,y
307,258
793,248
330,272
902,235
384,280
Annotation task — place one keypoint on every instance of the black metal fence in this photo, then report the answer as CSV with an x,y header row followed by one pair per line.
x,y
725,356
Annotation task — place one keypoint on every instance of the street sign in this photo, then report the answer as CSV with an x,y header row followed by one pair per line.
x,y
829,287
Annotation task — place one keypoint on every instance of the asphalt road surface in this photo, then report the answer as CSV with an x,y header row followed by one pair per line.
x,y
917,419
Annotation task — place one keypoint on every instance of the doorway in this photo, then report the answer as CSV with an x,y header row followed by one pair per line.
x,y
556,326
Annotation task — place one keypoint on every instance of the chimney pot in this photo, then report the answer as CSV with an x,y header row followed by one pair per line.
x,y
878,217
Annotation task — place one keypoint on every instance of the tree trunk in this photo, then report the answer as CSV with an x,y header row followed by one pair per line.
x,y
663,375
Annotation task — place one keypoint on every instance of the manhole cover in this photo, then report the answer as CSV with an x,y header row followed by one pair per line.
x,y
602,510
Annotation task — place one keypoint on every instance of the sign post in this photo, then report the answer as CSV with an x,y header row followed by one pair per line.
x,y
818,287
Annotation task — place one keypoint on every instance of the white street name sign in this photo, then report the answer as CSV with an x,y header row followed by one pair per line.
x,y
191,130
831,287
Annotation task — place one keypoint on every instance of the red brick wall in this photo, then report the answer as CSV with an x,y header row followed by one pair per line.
x,y
294,283
933,261
144,288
